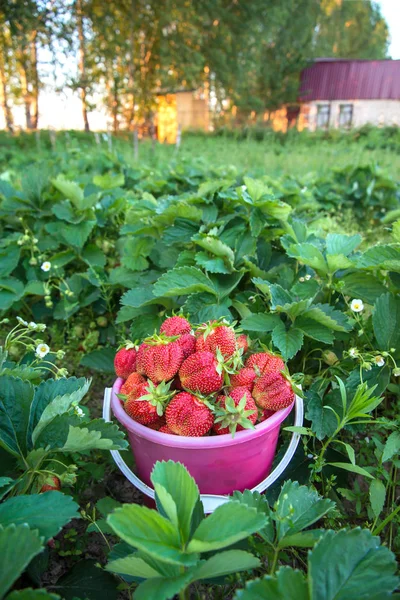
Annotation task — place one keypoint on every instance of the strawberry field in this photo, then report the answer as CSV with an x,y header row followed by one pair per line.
x,y
101,252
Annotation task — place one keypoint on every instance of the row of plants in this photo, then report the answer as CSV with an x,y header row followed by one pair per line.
x,y
106,252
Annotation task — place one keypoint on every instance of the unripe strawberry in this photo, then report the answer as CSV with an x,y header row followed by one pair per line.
x,y
52,483
213,336
162,362
187,415
131,383
264,361
175,326
125,362
242,341
273,391
198,373
235,412
187,342
243,378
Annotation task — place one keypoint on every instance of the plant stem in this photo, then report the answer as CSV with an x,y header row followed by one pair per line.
x,y
183,594
386,521
274,561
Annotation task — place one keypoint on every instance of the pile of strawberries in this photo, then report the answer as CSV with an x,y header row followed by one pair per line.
x,y
203,382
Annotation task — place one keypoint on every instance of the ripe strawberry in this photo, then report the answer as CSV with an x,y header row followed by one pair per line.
x,y
187,415
199,373
235,412
140,358
273,391
265,414
158,424
243,378
175,326
51,483
213,336
131,383
125,361
264,361
166,429
146,405
187,342
242,341
162,359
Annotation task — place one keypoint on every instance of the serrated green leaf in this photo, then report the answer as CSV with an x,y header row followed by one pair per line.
x,y
377,496
288,584
338,261
87,580
329,317
99,360
383,257
160,588
132,565
183,281
362,285
361,560
314,330
386,321
288,341
212,264
223,563
6,484
109,181
227,525
30,594
98,434
338,243
69,189
309,255
392,446
260,322
18,545
15,402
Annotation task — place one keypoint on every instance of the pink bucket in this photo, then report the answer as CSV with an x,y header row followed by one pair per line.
x,y
220,464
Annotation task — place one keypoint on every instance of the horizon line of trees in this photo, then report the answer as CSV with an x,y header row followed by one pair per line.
x,y
250,51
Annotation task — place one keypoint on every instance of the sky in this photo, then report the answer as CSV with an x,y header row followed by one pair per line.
x,y
391,12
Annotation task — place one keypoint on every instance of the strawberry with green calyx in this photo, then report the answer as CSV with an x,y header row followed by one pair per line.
x,y
148,403
175,325
262,362
187,342
162,358
125,360
130,384
51,483
216,335
201,373
235,412
188,415
273,391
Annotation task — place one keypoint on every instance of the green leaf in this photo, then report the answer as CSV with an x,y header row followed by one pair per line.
x,y
132,565
352,469
303,539
338,261
150,532
329,317
178,495
183,281
392,446
223,563
366,568
309,255
377,496
72,235
212,264
318,412
227,525
59,405
47,512
161,588
260,503
386,321
18,545
362,285
135,253
383,257
288,584
337,243
288,341
298,507
6,484
108,181
30,594
15,402
261,322
139,296
9,259
11,290
314,330
214,246
86,580
69,189
99,360
98,434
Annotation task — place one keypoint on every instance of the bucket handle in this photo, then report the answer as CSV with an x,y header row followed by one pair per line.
x,y
210,501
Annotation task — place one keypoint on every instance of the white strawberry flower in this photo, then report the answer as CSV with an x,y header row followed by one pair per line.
x,y
22,322
301,279
42,350
32,325
379,360
357,305
307,277
46,266
353,352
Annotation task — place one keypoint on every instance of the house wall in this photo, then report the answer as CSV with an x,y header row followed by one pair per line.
x,y
375,112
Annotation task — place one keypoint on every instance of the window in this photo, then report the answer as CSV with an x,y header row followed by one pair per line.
x,y
323,114
345,115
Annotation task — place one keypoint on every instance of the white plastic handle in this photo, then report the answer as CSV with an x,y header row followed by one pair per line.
x,y
210,501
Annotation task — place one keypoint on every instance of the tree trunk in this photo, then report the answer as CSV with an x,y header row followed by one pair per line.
x,y
35,83
131,68
82,64
4,92
25,93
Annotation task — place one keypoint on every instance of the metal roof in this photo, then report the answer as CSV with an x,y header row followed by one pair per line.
x,y
341,79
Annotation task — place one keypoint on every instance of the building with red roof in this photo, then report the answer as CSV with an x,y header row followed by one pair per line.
x,y
348,93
